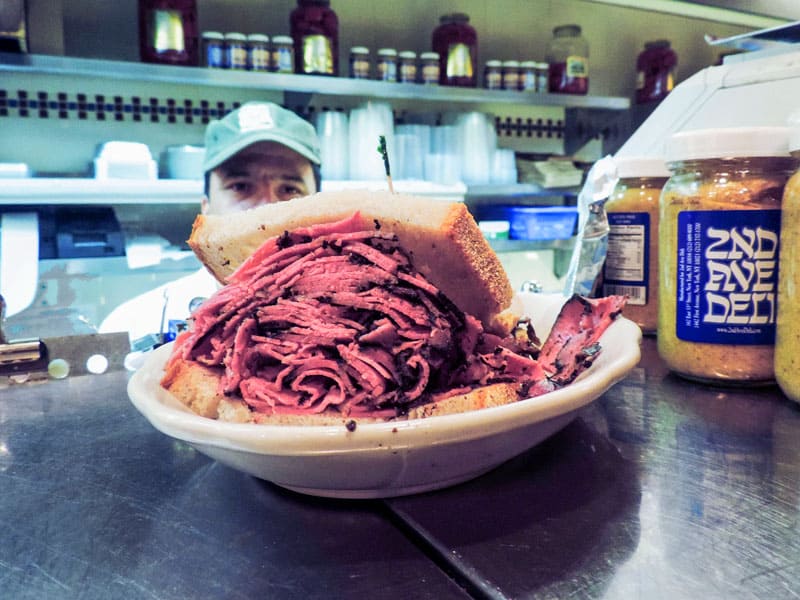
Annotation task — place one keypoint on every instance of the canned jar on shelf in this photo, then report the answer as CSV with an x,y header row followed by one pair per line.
x,y
429,68
568,59
213,49
787,332
235,50
407,66
387,64
631,266
258,52
282,55
719,237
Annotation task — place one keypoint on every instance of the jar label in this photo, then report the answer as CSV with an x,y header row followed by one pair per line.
x,y
577,67
215,56
166,31
627,266
727,276
317,54
459,61
259,59
283,59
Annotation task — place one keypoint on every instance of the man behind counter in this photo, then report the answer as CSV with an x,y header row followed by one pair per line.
x,y
257,154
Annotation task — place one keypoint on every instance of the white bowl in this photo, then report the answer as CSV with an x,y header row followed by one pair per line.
x,y
398,457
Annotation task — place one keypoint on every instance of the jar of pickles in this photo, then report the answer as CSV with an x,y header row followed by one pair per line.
x,y
719,231
787,332
631,266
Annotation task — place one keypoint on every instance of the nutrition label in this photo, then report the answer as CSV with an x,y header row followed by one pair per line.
x,y
727,276
627,259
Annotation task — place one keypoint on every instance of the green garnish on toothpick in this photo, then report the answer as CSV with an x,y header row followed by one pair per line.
x,y
385,154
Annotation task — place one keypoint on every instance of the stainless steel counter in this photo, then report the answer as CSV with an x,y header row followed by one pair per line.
x,y
660,489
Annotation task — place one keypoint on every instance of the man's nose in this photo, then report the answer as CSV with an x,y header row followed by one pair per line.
x,y
267,193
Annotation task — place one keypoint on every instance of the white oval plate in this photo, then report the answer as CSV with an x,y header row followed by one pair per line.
x,y
395,458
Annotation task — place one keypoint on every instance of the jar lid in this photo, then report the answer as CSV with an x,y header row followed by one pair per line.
x,y
407,54
359,50
542,65
387,52
511,64
235,36
567,30
641,166
528,64
257,37
493,63
213,35
454,18
740,142
657,44
282,39
430,55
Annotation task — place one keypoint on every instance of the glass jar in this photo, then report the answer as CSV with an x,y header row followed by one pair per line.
x,y
655,71
527,76
407,69
568,58
456,42
542,76
315,32
787,333
235,51
258,52
213,49
511,75
359,62
719,227
387,64
168,32
493,75
429,68
631,267
282,55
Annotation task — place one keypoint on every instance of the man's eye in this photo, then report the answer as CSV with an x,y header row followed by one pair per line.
x,y
290,191
238,187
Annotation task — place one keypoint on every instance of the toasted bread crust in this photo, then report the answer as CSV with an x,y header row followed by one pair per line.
x,y
444,242
197,387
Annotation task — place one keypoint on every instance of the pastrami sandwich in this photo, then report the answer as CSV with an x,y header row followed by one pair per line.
x,y
362,306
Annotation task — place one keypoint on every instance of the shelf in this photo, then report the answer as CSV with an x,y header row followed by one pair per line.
x,y
39,191
297,84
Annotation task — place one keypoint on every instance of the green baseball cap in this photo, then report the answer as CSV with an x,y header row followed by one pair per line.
x,y
258,122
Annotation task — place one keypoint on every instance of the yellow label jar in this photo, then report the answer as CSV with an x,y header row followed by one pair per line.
x,y
631,266
719,229
787,331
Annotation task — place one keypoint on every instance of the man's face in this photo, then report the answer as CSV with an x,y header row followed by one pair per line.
x,y
263,173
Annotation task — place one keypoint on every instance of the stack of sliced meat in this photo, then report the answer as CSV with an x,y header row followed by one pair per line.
x,y
335,316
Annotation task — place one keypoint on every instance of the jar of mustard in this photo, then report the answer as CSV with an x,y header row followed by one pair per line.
x,y
631,267
787,332
719,231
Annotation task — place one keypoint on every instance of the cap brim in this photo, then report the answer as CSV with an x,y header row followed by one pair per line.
x,y
254,137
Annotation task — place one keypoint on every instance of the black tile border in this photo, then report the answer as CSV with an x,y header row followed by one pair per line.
x,y
110,107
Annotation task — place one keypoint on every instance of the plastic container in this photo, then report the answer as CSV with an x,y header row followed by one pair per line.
x,y
631,266
787,332
387,64
235,50
719,228
407,67
493,75
568,58
360,65
655,71
282,55
534,223
495,230
168,32
315,32
257,52
456,42
213,49
429,68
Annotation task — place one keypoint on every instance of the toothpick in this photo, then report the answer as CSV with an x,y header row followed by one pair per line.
x,y
385,153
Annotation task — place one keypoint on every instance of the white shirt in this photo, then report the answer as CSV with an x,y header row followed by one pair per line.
x,y
142,315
